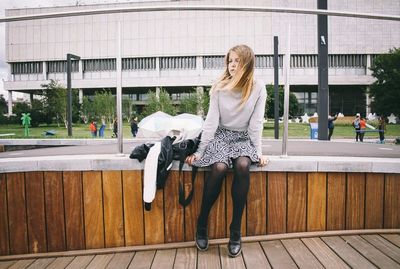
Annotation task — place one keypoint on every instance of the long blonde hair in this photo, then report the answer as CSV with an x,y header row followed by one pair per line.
x,y
242,80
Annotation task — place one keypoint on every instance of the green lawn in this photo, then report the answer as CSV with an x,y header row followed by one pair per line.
x,y
296,130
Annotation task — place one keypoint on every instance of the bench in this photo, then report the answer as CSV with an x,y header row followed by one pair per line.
x,y
4,135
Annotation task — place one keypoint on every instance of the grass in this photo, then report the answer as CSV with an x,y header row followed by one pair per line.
x,y
296,130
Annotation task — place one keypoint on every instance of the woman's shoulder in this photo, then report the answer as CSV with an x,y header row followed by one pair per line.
x,y
259,86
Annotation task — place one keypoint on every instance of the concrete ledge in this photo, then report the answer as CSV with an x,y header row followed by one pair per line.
x,y
114,162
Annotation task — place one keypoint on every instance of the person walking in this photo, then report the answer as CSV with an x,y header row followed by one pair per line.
x,y
93,129
231,138
115,128
134,127
382,129
356,125
363,126
331,126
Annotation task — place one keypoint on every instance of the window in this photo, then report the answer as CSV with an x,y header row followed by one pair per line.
x,y
185,62
26,68
61,66
99,65
139,63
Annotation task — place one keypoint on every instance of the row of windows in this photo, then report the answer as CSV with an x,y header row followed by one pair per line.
x,y
27,68
334,60
189,62
139,63
61,66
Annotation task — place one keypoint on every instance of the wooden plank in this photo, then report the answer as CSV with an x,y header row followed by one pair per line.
x,y
4,238
277,255
316,202
392,201
100,261
174,226
121,260
301,254
186,258
21,264
142,259
113,214
93,209
297,202
256,205
154,220
164,259
336,202
73,203
393,238
383,245
133,207
17,213
375,185
35,210
370,252
324,254
80,262
6,264
227,262
55,219
217,218
60,262
192,211
355,201
254,256
276,195
347,253
229,205
41,263
209,259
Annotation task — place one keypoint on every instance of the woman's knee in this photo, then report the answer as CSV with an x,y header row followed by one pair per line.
x,y
242,165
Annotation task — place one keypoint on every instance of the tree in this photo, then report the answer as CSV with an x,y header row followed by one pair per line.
x,y
293,103
3,105
385,91
162,103
190,103
101,105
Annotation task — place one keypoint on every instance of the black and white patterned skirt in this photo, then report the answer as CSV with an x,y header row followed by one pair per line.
x,y
226,146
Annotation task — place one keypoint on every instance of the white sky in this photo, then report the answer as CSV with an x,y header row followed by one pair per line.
x,y
6,4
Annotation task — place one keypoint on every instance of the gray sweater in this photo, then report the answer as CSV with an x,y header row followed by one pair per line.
x,y
224,111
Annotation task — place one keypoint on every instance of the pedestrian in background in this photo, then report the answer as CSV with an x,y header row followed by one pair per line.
x,y
134,127
331,125
93,129
363,126
382,129
356,125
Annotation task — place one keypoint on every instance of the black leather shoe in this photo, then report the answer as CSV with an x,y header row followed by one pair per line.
x,y
201,239
234,245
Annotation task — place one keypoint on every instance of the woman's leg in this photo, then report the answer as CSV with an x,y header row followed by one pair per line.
x,y
211,192
240,188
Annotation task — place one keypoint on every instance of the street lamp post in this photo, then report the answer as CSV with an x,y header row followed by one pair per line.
x,y
69,95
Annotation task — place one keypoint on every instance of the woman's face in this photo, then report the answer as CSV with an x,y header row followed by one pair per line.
x,y
233,63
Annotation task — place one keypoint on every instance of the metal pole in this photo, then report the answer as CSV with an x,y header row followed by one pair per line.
x,y
276,88
119,90
323,88
286,98
69,95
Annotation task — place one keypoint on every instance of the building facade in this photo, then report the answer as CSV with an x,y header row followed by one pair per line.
x,y
182,51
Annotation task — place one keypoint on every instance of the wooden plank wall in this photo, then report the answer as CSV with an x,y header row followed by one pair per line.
x,y
55,211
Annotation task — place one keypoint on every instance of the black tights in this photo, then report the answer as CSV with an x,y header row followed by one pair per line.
x,y
240,188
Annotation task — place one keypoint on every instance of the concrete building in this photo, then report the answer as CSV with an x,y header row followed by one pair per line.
x,y
182,51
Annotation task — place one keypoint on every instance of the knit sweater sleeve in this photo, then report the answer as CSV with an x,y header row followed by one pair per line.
x,y
256,123
210,125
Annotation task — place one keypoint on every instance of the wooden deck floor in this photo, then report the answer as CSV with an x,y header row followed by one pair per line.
x,y
376,250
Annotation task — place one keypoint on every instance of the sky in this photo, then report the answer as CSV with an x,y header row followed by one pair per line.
x,y
7,4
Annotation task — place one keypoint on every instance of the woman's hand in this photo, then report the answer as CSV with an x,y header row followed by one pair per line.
x,y
263,160
190,159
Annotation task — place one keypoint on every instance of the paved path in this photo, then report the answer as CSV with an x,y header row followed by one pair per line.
x,y
297,147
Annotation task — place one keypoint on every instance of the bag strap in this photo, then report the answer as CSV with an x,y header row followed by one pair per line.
x,y
184,202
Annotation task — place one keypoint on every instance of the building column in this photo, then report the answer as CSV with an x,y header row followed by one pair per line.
x,y
80,71
80,92
44,70
158,92
10,103
368,72
199,64
368,102
31,98
200,92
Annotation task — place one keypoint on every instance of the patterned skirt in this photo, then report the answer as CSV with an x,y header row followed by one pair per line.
x,y
226,146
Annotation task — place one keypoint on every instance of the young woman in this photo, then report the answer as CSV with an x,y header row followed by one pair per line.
x,y
231,138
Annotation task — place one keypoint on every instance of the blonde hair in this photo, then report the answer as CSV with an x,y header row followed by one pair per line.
x,y
242,80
